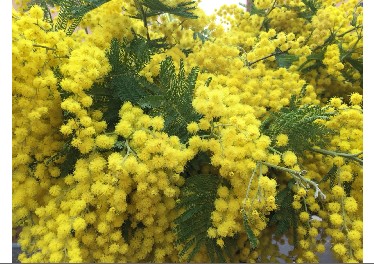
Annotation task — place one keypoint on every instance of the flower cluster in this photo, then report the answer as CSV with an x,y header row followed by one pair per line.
x,y
92,188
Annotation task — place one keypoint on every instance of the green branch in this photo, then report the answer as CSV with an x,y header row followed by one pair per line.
x,y
340,154
298,175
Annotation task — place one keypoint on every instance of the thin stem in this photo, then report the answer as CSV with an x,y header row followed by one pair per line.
x,y
250,182
144,18
41,46
266,57
340,154
299,175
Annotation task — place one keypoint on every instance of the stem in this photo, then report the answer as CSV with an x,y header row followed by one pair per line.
x,y
266,57
298,175
341,154
250,182
41,46
144,18
274,150
249,5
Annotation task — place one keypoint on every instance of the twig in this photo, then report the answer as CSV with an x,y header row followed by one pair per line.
x,y
299,175
340,154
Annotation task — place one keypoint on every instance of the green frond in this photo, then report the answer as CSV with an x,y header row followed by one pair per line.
x,y
123,83
285,217
174,102
251,236
71,155
149,8
72,12
300,124
331,175
44,4
197,200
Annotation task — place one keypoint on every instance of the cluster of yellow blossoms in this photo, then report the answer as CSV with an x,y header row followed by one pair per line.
x,y
117,202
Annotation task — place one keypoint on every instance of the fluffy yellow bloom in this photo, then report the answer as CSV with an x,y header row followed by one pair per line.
x,y
304,216
336,102
282,140
289,158
339,249
350,205
336,219
105,142
355,99
79,224
338,191
193,128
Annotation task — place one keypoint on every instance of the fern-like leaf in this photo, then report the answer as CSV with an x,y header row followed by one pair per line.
x,y
72,12
174,102
299,124
197,199
284,218
123,83
149,8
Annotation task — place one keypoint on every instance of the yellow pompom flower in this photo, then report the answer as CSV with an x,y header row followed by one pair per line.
x,y
223,191
79,224
301,192
335,102
356,99
105,142
336,219
354,235
338,191
289,158
304,216
350,205
193,128
282,140
339,249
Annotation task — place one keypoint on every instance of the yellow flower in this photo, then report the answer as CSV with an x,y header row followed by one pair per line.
x,y
355,98
223,191
193,127
55,190
79,224
334,207
335,102
220,242
282,140
350,205
339,249
158,123
289,158
105,142
338,191
304,216
221,205
336,219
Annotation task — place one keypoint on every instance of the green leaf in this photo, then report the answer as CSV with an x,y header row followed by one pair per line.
x,y
286,60
251,236
72,11
298,123
197,199
331,175
356,63
156,7
174,101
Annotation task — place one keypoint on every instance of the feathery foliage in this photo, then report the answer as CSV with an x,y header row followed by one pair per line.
x,y
299,123
285,217
174,102
123,83
197,199
149,8
72,12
